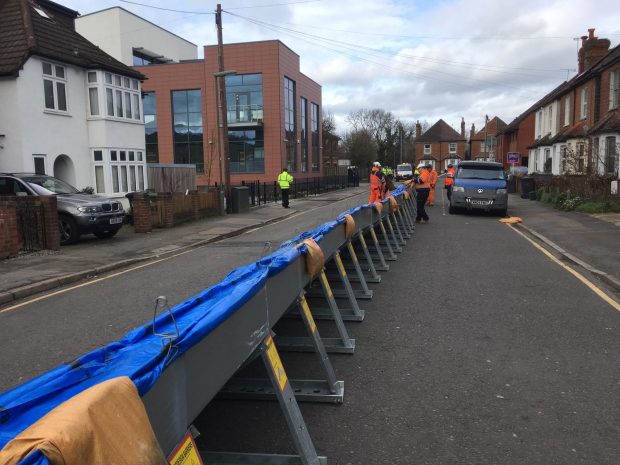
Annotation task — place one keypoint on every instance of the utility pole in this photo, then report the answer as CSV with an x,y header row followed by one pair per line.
x,y
223,108
400,129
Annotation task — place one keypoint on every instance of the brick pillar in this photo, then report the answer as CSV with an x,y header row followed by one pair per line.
x,y
195,203
9,238
165,199
141,211
49,210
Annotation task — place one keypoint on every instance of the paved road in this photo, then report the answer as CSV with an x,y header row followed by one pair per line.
x,y
476,349
39,336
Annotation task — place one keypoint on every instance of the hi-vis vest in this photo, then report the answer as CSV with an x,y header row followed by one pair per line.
x,y
425,183
285,180
450,181
375,181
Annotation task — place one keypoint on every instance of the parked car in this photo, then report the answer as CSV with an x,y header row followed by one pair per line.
x,y
480,185
404,171
78,213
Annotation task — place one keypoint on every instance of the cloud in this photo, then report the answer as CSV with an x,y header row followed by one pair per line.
x,y
416,58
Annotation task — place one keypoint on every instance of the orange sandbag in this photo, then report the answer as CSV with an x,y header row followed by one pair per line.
x,y
378,207
105,424
349,226
393,204
315,260
511,220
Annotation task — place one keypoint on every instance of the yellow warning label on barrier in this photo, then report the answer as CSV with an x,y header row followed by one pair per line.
x,y
340,265
276,363
306,310
185,453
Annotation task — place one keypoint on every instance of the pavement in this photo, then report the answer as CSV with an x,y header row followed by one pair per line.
x,y
29,274
589,241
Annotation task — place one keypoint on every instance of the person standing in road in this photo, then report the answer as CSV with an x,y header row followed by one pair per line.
x,y
433,182
284,181
377,182
422,188
450,173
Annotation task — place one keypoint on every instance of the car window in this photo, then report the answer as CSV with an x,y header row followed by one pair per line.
x,y
9,186
480,172
50,185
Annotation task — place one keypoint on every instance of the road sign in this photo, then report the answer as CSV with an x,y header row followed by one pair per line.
x,y
514,158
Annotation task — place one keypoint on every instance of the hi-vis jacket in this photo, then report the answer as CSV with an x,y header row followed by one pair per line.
x,y
424,180
450,180
376,179
285,180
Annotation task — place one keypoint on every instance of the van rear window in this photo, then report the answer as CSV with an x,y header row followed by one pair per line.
x,y
480,172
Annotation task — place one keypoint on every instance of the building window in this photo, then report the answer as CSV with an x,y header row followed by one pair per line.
x,y
316,149
93,100
290,130
567,110
187,127
452,147
564,158
141,59
39,164
548,165
99,179
55,87
125,168
611,155
539,124
150,127
550,115
427,149
244,98
247,151
614,86
581,157
122,95
584,103
303,111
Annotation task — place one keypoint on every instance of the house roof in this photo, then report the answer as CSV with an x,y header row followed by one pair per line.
x,y
440,132
25,32
495,121
610,123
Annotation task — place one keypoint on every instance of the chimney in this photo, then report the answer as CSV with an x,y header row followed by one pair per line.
x,y
418,129
472,131
462,128
591,51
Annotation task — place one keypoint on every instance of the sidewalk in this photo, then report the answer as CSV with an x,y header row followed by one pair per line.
x,y
32,273
590,241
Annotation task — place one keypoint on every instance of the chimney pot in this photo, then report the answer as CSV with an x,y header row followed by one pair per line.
x,y
583,40
591,33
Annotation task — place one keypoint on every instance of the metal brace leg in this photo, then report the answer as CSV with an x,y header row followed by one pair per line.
x,y
391,256
383,266
392,235
373,276
402,224
358,269
329,390
405,214
292,414
395,230
333,312
347,286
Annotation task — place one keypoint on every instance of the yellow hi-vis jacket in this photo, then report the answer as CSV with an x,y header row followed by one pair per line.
x,y
285,180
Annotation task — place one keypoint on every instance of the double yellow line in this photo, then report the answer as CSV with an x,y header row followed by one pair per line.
x,y
594,288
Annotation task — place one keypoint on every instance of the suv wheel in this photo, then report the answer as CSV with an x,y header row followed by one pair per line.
x,y
69,233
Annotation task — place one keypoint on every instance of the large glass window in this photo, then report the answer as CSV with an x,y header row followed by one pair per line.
x,y
290,130
244,98
316,147
54,87
187,126
246,151
611,155
150,127
122,95
303,111
584,102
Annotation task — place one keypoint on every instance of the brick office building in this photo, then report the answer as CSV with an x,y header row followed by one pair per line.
x,y
274,114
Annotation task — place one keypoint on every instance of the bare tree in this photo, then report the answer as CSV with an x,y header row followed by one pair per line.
x,y
332,150
360,147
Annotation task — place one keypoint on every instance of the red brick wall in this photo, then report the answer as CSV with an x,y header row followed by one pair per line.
x,y
9,240
271,58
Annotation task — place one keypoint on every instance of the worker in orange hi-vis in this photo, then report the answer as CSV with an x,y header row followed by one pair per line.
x,y
377,181
433,181
450,174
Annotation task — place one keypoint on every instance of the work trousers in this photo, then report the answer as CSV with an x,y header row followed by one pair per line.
x,y
421,202
375,194
449,189
431,196
284,197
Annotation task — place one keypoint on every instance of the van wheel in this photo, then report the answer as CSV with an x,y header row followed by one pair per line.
x,y
69,233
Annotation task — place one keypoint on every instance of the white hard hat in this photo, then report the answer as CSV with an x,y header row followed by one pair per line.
x,y
377,164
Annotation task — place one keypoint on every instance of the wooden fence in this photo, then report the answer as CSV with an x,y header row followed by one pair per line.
x,y
171,178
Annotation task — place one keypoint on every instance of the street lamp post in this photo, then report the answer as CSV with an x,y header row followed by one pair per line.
x,y
223,186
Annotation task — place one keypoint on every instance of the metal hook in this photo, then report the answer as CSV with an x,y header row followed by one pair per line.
x,y
167,339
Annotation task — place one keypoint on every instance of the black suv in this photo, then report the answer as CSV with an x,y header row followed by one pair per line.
x,y
78,213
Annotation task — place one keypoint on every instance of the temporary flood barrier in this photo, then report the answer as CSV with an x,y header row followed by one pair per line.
x,y
189,354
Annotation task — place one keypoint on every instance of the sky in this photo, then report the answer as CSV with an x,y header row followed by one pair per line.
x,y
418,59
